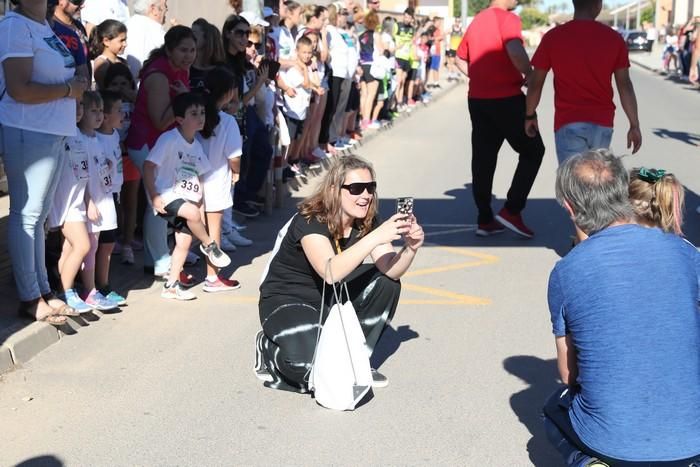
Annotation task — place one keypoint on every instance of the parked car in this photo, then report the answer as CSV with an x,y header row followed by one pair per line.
x,y
637,40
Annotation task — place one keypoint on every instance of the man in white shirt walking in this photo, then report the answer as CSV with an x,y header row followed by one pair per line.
x,y
145,31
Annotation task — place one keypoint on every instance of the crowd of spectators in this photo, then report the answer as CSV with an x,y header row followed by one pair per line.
x,y
307,80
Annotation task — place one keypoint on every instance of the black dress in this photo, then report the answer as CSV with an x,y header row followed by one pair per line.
x,y
290,299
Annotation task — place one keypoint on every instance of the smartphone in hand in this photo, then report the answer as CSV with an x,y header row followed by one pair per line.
x,y
404,205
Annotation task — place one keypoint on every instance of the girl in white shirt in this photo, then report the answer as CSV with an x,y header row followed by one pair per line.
x,y
101,213
223,145
68,214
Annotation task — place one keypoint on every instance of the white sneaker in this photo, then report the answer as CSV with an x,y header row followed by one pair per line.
x,y
320,153
176,292
226,244
237,239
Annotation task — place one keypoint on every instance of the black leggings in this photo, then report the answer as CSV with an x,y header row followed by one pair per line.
x,y
493,122
290,325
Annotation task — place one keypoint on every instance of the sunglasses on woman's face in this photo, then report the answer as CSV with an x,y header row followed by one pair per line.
x,y
77,2
253,44
358,188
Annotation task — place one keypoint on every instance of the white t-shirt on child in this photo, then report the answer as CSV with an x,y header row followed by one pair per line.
x,y
296,106
68,203
113,151
225,144
102,170
179,167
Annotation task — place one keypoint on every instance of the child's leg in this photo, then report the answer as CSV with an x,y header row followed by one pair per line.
x,y
316,121
177,259
129,202
305,142
214,221
87,275
193,216
102,262
75,247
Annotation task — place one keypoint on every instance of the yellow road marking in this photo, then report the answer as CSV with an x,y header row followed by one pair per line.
x,y
456,298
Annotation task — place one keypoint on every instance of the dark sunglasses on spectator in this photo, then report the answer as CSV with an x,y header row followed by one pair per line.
x,y
77,2
359,187
374,3
241,32
253,44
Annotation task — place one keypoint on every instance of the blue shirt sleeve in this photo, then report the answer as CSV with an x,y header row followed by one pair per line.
x,y
555,297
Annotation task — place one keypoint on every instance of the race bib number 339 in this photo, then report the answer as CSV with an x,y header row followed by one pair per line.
x,y
187,183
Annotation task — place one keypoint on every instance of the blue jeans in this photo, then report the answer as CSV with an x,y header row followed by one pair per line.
x,y
155,228
576,138
33,164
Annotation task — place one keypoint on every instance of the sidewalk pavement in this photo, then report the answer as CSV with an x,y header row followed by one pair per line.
x,y
652,61
22,339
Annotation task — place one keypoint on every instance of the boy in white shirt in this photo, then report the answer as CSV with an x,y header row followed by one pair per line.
x,y
172,178
295,107
108,136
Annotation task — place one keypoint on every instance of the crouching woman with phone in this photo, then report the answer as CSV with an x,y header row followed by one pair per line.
x,y
336,224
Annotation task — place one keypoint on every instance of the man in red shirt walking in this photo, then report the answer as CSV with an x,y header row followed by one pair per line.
x,y
492,55
583,96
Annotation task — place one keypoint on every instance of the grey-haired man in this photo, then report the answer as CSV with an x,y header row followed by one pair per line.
x,y
624,312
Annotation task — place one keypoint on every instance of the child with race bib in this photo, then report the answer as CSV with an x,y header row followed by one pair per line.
x,y
101,213
223,145
172,178
108,136
68,214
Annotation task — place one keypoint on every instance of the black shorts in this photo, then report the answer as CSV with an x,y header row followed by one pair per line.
x,y
366,75
404,65
353,99
451,53
107,236
412,74
295,127
179,224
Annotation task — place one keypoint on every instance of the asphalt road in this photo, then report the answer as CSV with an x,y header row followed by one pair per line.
x,y
469,356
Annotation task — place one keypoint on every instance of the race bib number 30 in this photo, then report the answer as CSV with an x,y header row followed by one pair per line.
x,y
187,183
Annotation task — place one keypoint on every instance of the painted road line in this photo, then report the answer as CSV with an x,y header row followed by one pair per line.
x,y
455,298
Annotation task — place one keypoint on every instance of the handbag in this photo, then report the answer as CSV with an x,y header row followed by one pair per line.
x,y
340,374
379,67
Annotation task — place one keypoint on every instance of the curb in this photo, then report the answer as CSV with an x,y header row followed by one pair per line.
x,y
26,343
644,65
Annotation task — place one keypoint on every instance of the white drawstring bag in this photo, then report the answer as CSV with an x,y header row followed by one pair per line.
x,y
340,374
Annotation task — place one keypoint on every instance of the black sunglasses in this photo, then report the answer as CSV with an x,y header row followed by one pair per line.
x,y
77,2
251,44
359,187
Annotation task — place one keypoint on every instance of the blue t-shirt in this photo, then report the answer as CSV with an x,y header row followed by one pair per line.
x,y
628,296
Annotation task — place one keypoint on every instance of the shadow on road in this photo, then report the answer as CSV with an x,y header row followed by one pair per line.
x,y
541,376
390,342
549,221
41,461
692,139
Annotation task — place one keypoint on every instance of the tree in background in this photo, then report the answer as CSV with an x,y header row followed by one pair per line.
x,y
532,17
647,15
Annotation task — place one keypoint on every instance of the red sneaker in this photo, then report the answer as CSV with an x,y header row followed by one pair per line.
x,y
221,284
492,228
186,280
514,222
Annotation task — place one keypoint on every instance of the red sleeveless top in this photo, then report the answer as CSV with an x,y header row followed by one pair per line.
x,y
142,131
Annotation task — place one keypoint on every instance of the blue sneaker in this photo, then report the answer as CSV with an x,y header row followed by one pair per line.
x,y
116,298
74,301
98,301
